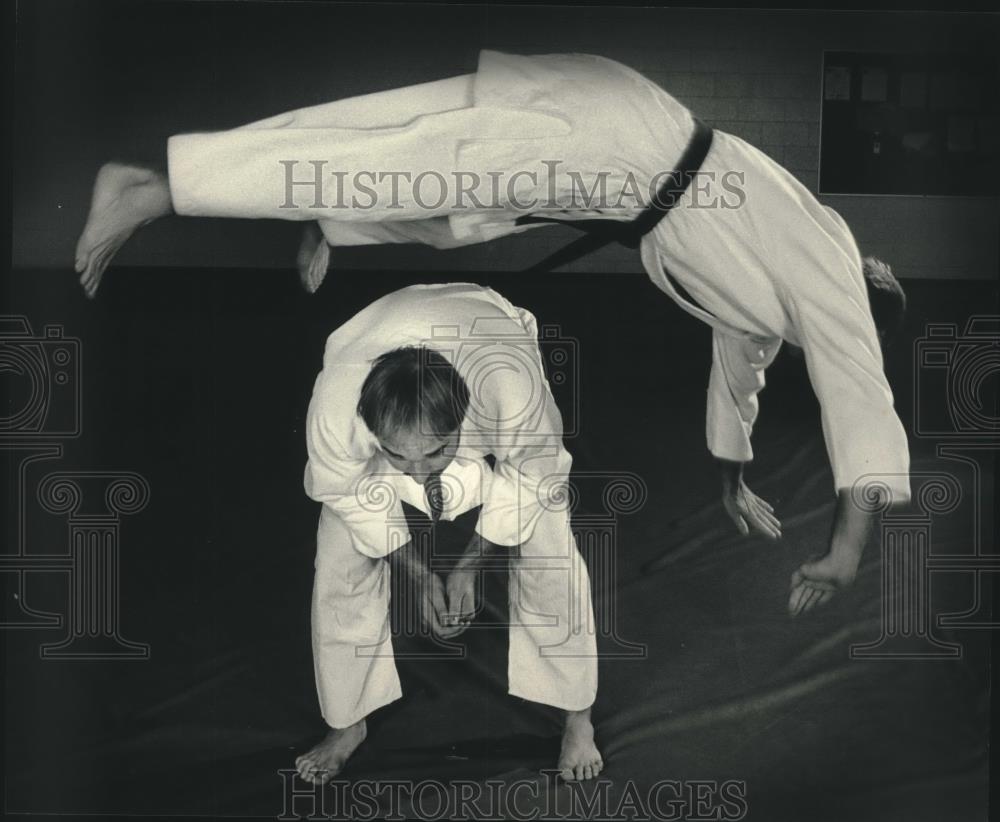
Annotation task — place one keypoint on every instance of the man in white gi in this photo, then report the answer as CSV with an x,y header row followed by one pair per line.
x,y
415,391
762,260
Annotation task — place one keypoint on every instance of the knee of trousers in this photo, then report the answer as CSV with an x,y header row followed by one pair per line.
x,y
549,556
343,618
350,603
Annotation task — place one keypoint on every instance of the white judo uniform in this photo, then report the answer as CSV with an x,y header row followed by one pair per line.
x,y
780,266
513,417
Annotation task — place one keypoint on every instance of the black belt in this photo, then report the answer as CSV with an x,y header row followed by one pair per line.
x,y
599,233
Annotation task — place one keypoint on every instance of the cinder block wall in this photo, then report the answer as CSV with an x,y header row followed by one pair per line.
x,y
756,74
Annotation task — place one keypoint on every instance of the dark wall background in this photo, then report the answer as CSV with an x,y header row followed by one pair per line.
x,y
114,79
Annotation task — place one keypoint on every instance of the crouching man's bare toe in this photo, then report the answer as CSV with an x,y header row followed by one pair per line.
x,y
579,758
328,758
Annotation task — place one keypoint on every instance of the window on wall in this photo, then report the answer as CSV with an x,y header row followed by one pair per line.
x,y
910,124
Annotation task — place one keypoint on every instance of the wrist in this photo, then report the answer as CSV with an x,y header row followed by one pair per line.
x,y
731,473
474,555
847,545
409,560
851,528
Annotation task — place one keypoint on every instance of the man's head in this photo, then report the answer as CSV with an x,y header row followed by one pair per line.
x,y
885,297
414,402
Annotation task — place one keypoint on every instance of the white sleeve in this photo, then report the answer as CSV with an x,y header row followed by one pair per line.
x,y
526,479
532,464
513,507
341,482
863,433
738,366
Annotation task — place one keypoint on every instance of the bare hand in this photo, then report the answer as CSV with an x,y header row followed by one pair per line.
x,y
817,582
433,607
462,588
750,512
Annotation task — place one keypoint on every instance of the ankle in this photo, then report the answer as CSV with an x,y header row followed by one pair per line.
x,y
152,163
357,727
577,717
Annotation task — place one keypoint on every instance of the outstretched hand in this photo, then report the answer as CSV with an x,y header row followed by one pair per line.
x,y
750,513
815,583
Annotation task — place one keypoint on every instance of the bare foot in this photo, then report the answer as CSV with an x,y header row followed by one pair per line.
x,y
579,758
125,197
328,758
815,583
313,258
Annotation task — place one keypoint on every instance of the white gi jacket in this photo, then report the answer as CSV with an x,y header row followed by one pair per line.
x,y
512,416
776,266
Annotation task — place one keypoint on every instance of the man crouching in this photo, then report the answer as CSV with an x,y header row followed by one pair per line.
x,y
392,419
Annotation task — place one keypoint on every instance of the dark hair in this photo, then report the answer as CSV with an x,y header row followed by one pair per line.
x,y
413,387
885,297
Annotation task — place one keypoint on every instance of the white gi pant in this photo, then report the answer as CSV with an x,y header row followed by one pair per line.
x,y
238,173
370,169
552,655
